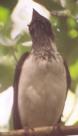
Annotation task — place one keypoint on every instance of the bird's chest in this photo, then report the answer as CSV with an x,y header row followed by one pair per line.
x,y
42,90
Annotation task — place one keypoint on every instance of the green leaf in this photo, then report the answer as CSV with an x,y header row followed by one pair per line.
x,y
73,33
71,22
4,14
74,71
6,71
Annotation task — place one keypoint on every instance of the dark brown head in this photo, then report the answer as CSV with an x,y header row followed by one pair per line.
x,y
40,26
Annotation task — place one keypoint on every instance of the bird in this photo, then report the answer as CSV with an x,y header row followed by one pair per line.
x,y
41,79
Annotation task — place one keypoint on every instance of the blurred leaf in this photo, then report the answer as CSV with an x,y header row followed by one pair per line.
x,y
55,21
76,123
4,50
74,71
7,65
4,14
73,33
71,22
5,41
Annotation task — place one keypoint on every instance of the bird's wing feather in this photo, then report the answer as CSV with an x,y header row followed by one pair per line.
x,y
16,118
67,76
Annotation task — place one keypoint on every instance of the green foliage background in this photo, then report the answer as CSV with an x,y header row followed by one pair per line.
x,y
66,35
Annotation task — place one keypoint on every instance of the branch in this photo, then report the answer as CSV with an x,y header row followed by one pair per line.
x,y
52,130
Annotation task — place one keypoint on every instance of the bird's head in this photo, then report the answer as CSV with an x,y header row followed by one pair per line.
x,y
40,26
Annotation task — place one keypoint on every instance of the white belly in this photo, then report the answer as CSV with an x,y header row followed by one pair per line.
x,y
42,92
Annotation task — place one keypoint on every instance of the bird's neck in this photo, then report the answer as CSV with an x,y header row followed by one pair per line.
x,y
44,46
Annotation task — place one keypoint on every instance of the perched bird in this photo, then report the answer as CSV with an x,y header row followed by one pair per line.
x,y
41,79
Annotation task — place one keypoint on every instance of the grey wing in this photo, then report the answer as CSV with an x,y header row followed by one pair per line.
x,y
16,117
